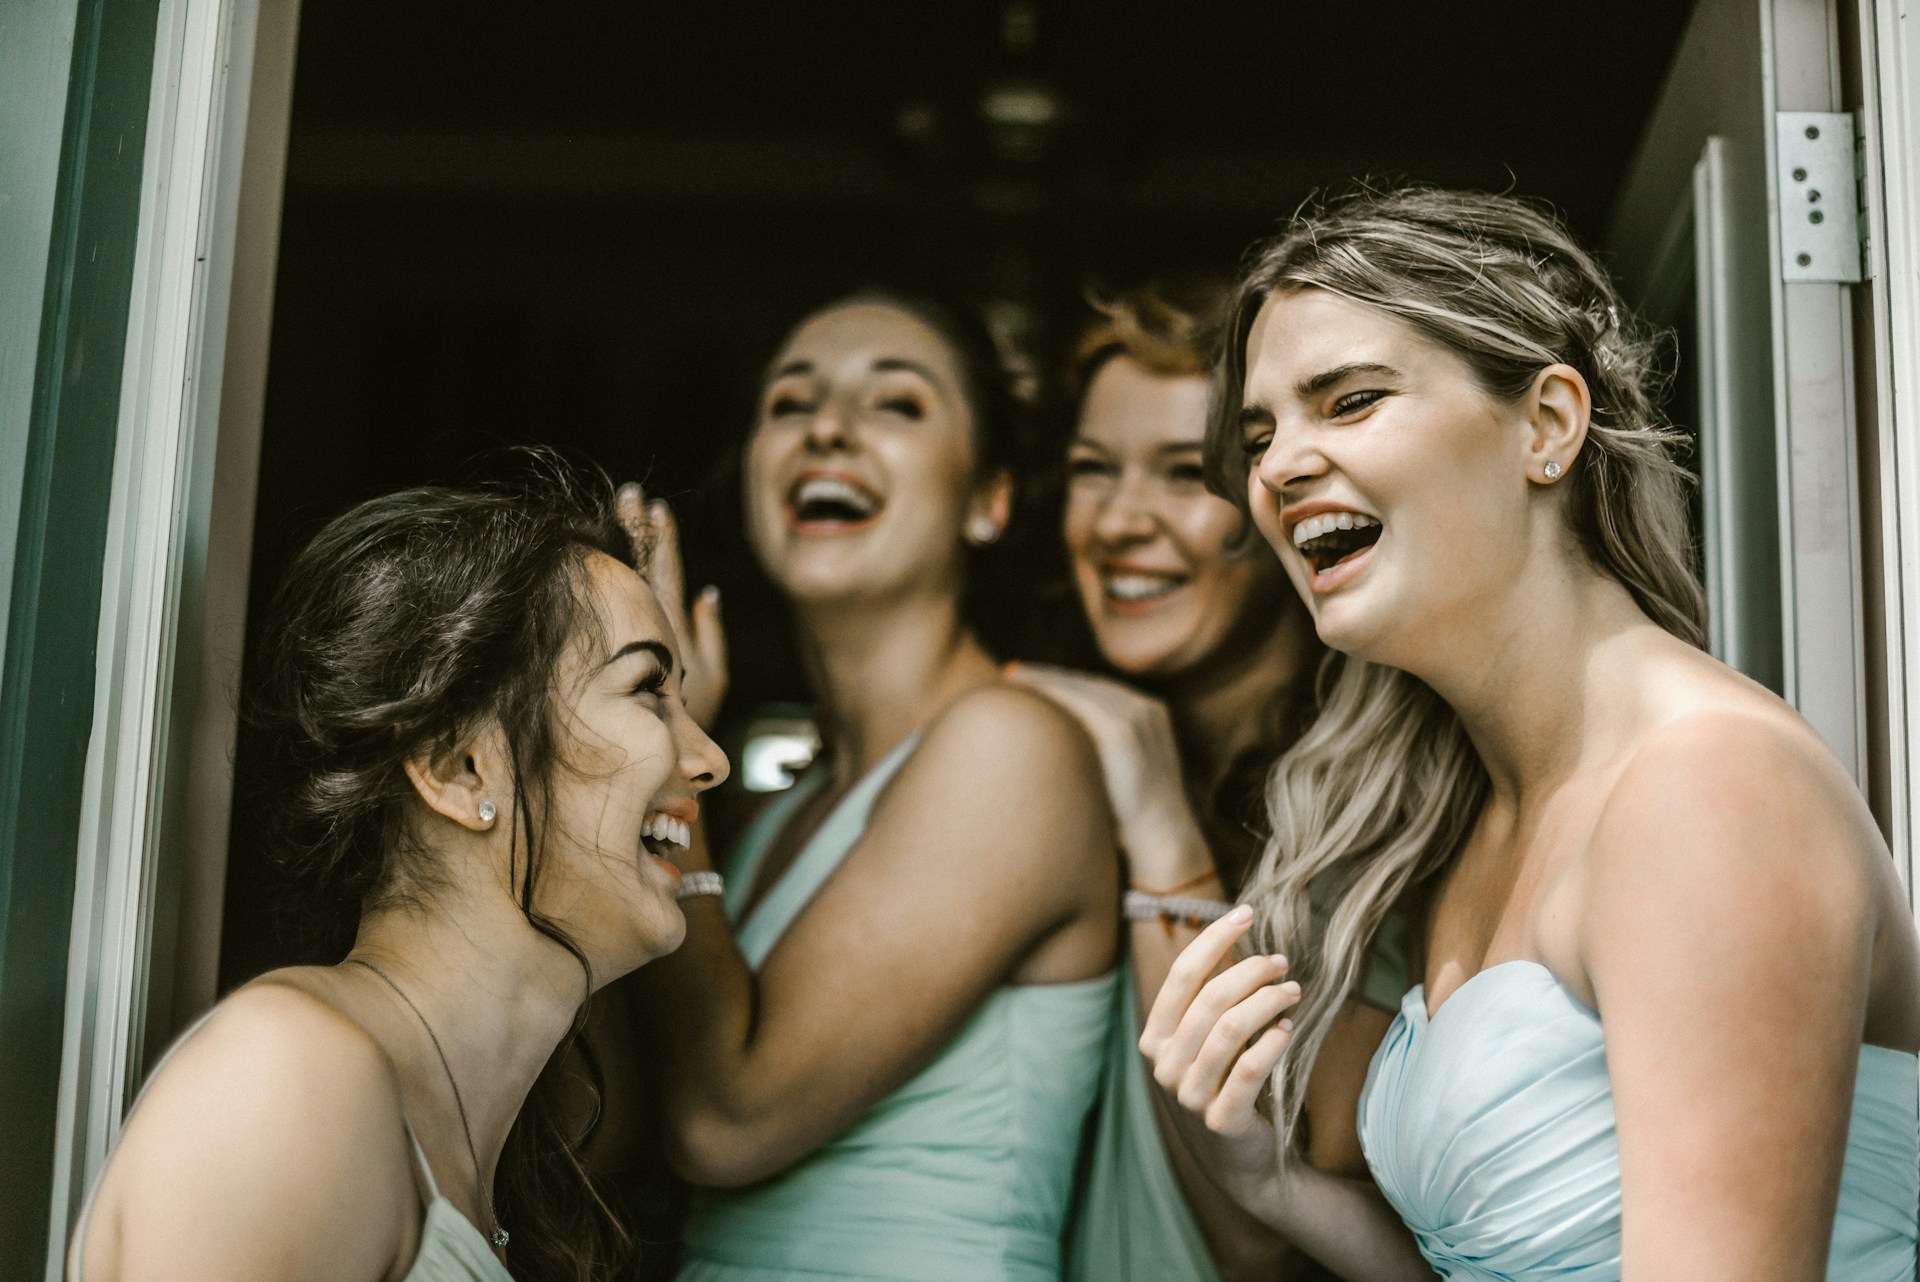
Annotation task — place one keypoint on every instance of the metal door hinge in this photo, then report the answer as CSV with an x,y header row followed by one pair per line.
x,y
1819,181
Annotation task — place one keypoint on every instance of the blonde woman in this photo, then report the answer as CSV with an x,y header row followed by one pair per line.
x,y
1671,995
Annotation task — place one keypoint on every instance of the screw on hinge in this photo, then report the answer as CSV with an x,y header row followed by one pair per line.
x,y
1805,260
1813,131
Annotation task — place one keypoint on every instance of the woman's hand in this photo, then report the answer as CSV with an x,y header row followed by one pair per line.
x,y
1212,1039
1140,762
702,641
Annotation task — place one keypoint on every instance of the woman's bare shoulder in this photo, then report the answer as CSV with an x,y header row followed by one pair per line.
x,y
1003,759
273,1131
1735,809
1013,722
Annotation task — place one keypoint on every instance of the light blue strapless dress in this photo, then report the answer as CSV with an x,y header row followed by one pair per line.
x,y
1490,1128
963,1173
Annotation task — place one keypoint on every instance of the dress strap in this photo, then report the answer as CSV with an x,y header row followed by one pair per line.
x,y
823,852
420,1161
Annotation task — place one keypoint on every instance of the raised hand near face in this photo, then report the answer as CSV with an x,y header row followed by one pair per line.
x,y
702,640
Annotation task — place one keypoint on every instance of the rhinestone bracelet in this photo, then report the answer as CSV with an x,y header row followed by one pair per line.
x,y
1137,905
699,883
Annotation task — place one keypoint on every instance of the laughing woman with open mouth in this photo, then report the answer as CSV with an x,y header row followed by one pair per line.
x,y
471,703
1671,995
878,1049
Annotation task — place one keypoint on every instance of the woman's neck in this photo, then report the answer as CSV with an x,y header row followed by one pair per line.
x,y
881,672
1542,681
497,995
1230,705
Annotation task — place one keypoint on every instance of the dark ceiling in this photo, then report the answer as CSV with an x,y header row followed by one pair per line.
x,y
1191,109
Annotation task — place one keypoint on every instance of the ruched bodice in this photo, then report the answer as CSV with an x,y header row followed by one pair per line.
x,y
965,1170
1490,1128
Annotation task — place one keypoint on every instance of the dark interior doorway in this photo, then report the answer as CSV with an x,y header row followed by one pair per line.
x,y
588,225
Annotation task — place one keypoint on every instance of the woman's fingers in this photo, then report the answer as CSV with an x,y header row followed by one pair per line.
x,y
702,640
1222,1049
1232,1107
1189,972
630,505
663,567
707,665
1216,1000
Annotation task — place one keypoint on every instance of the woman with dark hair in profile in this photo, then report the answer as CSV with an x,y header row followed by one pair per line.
x,y
1181,608
471,699
1671,982
877,1050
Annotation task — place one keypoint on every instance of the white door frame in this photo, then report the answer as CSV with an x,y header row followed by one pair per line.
x,y
146,910
1890,126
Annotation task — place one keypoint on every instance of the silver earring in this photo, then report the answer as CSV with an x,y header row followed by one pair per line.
x,y
1552,470
983,530
487,812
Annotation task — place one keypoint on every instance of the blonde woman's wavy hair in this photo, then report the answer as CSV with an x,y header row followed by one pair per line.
x,y
1378,794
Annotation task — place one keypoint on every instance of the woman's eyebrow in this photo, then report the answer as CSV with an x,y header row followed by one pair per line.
x,y
889,364
791,367
1308,388
655,648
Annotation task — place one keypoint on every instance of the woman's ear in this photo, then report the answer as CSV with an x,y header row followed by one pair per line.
x,y
463,781
1559,408
991,508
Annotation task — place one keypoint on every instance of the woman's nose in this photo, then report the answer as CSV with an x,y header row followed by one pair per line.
x,y
827,429
1291,457
701,759
1125,516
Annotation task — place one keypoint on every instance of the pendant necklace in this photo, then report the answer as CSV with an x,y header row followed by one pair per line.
x,y
497,1235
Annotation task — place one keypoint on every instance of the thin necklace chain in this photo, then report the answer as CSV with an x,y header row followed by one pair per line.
x,y
498,1235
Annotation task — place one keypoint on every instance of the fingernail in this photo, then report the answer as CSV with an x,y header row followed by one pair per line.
x,y
1278,959
710,594
1242,913
1286,1026
628,493
657,508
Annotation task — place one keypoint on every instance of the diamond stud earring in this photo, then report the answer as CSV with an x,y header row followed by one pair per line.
x,y
1552,470
983,530
487,812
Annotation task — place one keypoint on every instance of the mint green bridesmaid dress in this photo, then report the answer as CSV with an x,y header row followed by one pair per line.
x,y
964,1172
1490,1128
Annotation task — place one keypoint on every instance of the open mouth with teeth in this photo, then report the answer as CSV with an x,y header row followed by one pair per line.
x,y
1331,538
663,835
1127,590
830,504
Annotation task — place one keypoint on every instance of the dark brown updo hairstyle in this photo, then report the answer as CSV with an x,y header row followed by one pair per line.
x,y
406,623
992,594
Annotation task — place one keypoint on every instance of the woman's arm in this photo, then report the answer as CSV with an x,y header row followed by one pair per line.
x,y
1167,851
269,1147
1727,934
1213,1037
991,842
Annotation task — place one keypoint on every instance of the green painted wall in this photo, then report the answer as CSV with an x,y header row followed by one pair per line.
x,y
61,486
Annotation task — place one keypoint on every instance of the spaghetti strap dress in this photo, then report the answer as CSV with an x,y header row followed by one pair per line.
x,y
451,1248
964,1172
